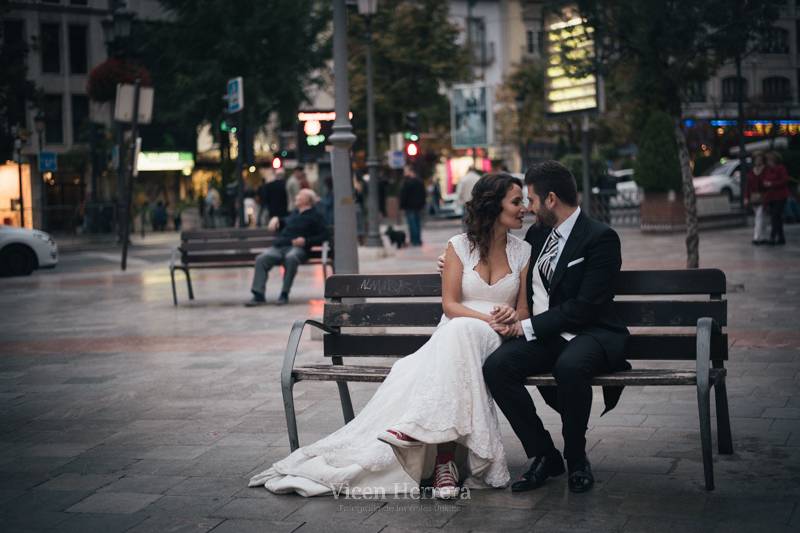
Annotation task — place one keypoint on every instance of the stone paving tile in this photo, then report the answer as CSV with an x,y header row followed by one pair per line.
x,y
223,487
256,526
143,484
87,482
414,514
320,510
572,522
107,523
251,508
185,506
114,502
176,524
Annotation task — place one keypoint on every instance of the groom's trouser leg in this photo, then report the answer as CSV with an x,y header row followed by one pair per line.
x,y
505,371
581,359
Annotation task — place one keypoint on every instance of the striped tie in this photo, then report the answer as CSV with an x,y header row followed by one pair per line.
x,y
546,259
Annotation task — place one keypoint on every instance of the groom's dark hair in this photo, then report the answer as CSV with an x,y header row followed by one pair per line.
x,y
551,176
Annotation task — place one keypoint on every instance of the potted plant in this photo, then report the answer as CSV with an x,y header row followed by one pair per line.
x,y
658,173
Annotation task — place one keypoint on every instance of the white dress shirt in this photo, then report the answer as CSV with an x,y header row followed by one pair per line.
x,y
541,298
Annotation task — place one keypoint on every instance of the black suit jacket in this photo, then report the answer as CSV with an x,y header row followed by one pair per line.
x,y
581,295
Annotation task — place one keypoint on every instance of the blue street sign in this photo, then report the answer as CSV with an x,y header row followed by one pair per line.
x,y
235,95
48,162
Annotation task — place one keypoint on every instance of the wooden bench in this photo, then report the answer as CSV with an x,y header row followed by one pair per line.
x,y
231,248
652,303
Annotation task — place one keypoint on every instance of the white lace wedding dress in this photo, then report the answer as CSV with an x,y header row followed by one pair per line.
x,y
435,395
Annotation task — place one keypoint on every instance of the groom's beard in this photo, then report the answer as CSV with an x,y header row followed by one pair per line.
x,y
545,217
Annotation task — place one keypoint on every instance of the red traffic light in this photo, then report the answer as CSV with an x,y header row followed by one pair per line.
x,y
412,149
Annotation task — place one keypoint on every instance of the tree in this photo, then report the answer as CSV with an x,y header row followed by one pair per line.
x,y
668,47
657,165
415,54
16,91
274,45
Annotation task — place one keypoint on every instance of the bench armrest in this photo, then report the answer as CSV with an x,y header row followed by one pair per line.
x,y
326,247
294,342
172,260
706,327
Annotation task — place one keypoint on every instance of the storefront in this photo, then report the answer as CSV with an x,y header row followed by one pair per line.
x,y
9,194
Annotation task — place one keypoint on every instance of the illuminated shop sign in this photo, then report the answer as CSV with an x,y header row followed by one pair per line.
x,y
569,37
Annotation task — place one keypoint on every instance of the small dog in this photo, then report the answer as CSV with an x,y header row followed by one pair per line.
x,y
396,236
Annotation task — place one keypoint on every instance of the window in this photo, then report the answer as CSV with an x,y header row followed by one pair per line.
x,y
530,40
80,118
78,50
729,89
776,89
53,118
695,92
50,37
776,42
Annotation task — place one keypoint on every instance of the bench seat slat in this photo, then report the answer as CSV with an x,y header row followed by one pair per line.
x,y
634,377
629,282
640,346
421,314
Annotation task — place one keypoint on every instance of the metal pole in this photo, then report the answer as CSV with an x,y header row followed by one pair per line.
x,y
19,171
241,135
344,212
740,130
42,187
373,235
126,223
587,187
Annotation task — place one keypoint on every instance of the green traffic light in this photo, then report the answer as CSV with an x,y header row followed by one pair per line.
x,y
234,129
414,137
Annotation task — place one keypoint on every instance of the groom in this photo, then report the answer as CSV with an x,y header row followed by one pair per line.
x,y
573,331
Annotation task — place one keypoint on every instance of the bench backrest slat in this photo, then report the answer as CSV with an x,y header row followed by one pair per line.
x,y
245,244
226,233
707,281
632,313
640,346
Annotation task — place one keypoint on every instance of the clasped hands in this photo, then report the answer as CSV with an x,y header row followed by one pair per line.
x,y
504,321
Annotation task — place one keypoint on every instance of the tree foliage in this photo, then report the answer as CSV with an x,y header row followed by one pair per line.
x,y
16,91
415,55
274,45
657,167
666,48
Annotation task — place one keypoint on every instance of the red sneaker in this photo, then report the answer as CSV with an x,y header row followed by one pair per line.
x,y
396,438
445,481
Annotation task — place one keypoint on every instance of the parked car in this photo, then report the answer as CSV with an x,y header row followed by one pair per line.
x,y
449,207
723,178
24,250
627,189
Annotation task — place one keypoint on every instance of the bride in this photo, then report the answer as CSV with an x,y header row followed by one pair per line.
x,y
433,416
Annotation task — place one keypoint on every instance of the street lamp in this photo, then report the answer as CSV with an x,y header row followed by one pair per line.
x,y
18,142
368,8
116,26
39,124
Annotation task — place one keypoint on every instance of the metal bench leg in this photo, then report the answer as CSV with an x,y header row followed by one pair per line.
x,y
291,418
287,382
189,283
174,292
724,438
704,407
344,395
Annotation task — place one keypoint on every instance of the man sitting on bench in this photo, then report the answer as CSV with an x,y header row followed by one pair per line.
x,y
301,230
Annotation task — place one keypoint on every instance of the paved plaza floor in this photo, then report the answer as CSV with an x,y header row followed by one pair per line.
x,y
120,412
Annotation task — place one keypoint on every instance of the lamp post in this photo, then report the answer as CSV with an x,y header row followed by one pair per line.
x,y
117,28
39,124
368,8
18,147
344,212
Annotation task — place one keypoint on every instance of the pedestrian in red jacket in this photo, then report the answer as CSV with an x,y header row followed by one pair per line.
x,y
776,191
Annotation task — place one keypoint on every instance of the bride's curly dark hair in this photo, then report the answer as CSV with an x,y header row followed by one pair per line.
x,y
484,208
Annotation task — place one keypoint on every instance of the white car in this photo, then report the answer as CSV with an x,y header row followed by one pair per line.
x,y
24,250
723,178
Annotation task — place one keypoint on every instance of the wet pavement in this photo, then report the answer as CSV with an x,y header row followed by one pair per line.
x,y
120,412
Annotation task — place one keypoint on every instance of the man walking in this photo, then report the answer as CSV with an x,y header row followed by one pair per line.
x,y
412,201
301,230
573,331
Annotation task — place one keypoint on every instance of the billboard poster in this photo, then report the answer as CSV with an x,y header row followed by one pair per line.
x,y
471,120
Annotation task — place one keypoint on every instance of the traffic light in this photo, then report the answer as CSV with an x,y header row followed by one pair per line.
x,y
277,163
412,149
412,123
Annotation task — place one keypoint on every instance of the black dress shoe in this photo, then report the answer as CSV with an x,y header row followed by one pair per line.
x,y
580,476
541,468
